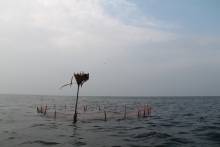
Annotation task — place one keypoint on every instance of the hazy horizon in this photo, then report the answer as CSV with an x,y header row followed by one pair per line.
x,y
176,96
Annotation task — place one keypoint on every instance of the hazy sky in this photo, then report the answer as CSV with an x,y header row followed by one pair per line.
x,y
150,47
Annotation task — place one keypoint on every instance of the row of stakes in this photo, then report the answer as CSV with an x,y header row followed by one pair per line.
x,y
148,109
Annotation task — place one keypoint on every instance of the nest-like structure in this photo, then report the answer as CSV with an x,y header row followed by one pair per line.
x,y
81,78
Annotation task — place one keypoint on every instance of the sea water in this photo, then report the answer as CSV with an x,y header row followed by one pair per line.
x,y
173,121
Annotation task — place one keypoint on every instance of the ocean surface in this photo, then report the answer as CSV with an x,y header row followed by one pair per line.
x,y
173,121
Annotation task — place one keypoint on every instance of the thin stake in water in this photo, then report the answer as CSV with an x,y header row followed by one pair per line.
x,y
80,79
105,114
55,115
125,112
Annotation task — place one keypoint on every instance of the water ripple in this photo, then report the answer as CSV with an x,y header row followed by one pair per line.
x,y
153,134
174,121
41,142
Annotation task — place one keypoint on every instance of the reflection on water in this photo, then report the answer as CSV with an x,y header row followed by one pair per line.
x,y
174,121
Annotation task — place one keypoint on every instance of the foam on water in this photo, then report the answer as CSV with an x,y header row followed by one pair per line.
x,y
174,121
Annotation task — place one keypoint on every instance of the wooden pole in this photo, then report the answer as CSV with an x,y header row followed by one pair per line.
x,y
37,110
144,110
105,114
75,115
45,111
125,112
55,115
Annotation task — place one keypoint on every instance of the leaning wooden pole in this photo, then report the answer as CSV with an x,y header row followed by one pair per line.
x,y
80,79
75,114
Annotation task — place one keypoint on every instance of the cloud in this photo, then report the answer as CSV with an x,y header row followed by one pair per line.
x,y
44,42
75,25
40,34
130,14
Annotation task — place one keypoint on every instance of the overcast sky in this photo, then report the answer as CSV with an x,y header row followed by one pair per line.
x,y
150,47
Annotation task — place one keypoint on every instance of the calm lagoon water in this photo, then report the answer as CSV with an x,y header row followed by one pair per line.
x,y
174,121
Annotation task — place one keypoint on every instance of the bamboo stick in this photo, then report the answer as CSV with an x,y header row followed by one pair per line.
x,y
55,115
105,114
125,112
